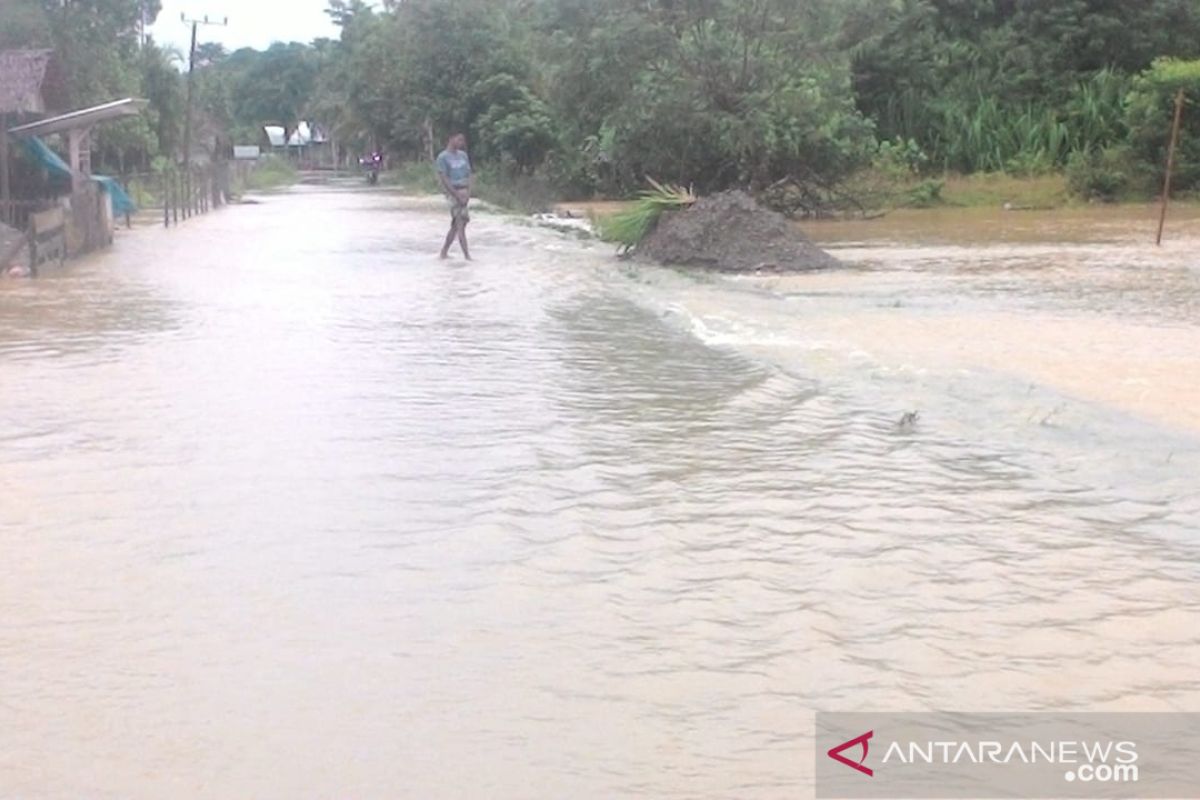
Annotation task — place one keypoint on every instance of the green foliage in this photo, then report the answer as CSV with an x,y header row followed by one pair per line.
x,y
925,194
579,97
23,23
1149,114
899,159
271,172
1100,174
723,93
415,177
162,86
629,227
516,126
274,87
1018,86
525,192
430,68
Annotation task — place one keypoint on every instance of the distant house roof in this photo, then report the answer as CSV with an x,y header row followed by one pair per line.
x,y
305,134
22,73
274,135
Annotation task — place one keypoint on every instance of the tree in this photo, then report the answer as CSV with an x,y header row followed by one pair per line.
x,y
274,86
1149,114
23,23
719,93
1009,84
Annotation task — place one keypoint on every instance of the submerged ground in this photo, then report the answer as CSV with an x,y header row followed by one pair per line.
x,y
292,509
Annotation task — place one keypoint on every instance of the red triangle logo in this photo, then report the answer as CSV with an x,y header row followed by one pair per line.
x,y
836,753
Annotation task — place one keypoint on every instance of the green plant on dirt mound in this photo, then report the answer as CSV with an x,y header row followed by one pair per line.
x,y
627,228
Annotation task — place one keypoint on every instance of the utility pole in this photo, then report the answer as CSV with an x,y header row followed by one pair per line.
x,y
1174,142
187,118
187,125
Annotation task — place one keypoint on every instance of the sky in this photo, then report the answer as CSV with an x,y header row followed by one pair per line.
x,y
252,23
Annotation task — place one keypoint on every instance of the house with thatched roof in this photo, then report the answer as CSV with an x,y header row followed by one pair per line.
x,y
29,87
30,91
26,78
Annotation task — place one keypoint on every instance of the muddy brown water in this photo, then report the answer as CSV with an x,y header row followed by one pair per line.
x,y
289,509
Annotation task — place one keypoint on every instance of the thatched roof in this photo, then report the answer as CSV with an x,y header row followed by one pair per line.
x,y
22,73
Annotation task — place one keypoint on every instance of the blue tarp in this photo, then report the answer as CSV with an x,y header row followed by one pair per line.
x,y
54,164
122,203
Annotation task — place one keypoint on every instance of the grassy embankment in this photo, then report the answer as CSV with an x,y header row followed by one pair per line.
x,y
998,190
522,194
980,190
269,174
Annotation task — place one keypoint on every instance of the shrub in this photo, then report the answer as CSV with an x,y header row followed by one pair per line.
x,y
1100,174
925,194
899,159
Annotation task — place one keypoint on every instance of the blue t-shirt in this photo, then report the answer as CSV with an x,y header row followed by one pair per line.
x,y
456,167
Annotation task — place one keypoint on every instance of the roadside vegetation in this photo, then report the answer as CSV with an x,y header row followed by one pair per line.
x,y
823,107
269,173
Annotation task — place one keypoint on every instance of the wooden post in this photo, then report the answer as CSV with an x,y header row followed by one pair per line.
x,y
187,113
75,146
5,192
1166,195
166,190
33,246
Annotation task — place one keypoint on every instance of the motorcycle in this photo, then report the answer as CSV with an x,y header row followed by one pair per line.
x,y
372,165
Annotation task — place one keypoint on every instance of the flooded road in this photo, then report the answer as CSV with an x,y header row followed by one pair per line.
x,y
291,509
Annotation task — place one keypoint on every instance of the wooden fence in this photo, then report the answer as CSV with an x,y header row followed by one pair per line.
x,y
56,229
178,195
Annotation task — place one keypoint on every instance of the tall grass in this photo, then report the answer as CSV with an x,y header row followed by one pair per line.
x,y
414,177
1096,111
969,129
271,172
987,136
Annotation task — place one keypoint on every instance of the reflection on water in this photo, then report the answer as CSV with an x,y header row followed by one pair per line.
x,y
291,509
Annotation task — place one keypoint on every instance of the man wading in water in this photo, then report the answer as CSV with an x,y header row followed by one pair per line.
x,y
454,173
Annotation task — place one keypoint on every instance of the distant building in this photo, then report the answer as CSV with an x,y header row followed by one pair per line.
x,y
24,87
308,144
31,90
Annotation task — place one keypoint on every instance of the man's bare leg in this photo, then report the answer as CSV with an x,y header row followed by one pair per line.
x,y
462,240
450,238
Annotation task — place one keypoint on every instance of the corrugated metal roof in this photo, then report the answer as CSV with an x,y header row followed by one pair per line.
x,y
22,73
83,118
304,135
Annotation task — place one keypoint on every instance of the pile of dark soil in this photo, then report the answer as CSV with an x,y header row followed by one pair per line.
x,y
730,232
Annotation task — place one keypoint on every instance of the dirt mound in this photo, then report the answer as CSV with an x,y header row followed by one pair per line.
x,y
731,232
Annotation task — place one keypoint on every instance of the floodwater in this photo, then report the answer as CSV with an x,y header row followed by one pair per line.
x,y
290,509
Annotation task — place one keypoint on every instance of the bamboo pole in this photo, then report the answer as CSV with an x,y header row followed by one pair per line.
x,y
1166,195
5,192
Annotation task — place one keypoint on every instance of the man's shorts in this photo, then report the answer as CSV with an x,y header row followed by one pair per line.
x,y
458,210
